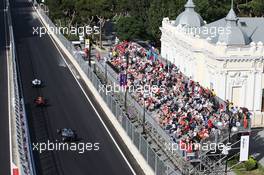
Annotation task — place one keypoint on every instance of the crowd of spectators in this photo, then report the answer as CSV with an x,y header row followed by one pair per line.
x,y
182,107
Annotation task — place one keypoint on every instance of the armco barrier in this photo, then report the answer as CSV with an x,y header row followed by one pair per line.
x,y
21,153
133,129
219,136
134,109
160,163
213,137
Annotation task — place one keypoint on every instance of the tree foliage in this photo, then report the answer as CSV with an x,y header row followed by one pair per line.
x,y
144,16
129,28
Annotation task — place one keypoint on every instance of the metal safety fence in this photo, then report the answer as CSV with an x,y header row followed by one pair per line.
x,y
153,144
133,128
220,135
21,153
148,144
135,110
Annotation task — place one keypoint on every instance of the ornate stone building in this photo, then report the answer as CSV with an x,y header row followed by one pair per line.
x,y
226,55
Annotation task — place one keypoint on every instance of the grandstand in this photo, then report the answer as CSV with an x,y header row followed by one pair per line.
x,y
191,115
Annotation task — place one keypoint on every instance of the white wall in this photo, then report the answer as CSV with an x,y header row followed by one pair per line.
x,y
205,67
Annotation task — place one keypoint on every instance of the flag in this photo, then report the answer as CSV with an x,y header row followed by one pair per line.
x,y
123,79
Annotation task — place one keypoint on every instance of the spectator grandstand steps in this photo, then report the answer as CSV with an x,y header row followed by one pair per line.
x,y
180,163
220,135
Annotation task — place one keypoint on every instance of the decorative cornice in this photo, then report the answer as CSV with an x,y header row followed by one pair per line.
x,y
199,44
242,59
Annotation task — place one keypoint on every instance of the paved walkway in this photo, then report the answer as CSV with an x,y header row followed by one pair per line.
x,y
4,120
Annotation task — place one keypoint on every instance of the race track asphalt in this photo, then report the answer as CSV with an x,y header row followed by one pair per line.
x,y
67,105
4,127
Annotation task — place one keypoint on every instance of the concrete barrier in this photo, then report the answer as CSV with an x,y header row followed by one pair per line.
x,y
21,157
134,151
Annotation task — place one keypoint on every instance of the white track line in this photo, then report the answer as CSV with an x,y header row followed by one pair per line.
x,y
131,168
9,100
9,112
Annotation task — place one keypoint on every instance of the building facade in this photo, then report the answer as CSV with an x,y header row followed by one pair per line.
x,y
226,55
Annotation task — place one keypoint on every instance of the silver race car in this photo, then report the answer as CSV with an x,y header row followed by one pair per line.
x,y
67,134
36,83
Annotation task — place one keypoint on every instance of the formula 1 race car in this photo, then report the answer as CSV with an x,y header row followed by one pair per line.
x,y
40,101
67,135
36,83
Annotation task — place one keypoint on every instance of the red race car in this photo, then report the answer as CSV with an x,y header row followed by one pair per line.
x,y
40,101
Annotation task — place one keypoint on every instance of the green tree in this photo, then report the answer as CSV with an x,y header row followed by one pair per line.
x,y
257,8
129,28
157,11
145,16
85,12
54,9
212,10
69,11
123,7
